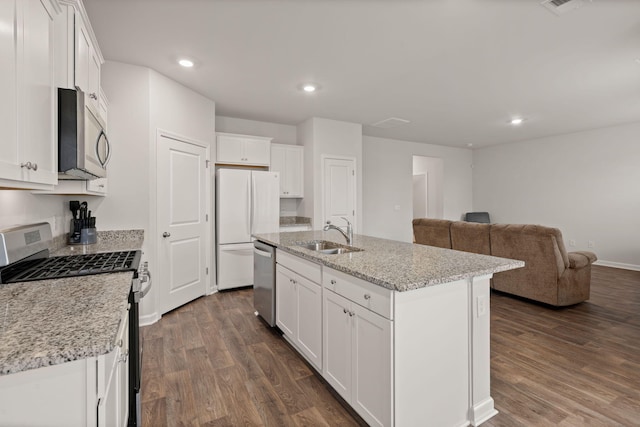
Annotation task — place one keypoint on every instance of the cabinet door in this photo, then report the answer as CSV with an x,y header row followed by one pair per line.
x,y
336,361
371,396
278,164
257,151
294,172
93,82
229,149
36,117
83,56
286,302
309,338
9,165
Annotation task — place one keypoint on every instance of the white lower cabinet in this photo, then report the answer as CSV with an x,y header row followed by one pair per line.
x,y
357,357
91,392
299,313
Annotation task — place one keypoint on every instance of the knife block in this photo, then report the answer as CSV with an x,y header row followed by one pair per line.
x,y
82,236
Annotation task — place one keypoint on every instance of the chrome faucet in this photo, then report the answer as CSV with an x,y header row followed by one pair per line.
x,y
348,235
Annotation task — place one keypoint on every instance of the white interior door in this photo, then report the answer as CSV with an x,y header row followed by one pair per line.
x,y
182,208
339,190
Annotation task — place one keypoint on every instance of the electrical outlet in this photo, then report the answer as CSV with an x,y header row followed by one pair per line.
x,y
481,303
572,242
591,244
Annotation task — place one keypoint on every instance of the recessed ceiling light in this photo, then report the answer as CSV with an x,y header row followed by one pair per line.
x,y
516,121
309,88
186,63
469,145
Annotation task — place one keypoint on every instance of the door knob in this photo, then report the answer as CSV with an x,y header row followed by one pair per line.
x,y
165,234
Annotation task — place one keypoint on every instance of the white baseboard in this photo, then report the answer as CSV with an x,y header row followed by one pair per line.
x,y
621,265
149,319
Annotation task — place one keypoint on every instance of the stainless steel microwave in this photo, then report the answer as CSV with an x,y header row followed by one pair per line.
x,y
83,146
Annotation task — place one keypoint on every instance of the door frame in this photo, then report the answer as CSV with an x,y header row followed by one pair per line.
x,y
152,238
323,158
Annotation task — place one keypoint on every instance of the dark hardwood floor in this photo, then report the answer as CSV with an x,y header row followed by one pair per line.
x,y
213,363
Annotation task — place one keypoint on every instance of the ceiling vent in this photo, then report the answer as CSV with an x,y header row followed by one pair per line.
x,y
560,7
390,123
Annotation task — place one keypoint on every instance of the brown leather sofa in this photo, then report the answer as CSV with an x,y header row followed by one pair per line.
x,y
551,274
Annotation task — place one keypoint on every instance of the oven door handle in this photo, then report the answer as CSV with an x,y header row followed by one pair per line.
x,y
146,289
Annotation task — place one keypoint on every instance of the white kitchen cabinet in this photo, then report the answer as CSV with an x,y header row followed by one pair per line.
x,y
299,309
28,147
95,187
113,381
357,357
79,58
90,392
289,161
243,149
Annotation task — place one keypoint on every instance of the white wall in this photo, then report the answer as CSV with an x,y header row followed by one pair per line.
x,y
585,183
433,167
329,137
388,175
127,203
141,101
19,207
281,134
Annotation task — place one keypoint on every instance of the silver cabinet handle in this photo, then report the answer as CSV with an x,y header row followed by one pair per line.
x,y
124,356
165,234
29,165
333,282
351,314
93,95
345,311
367,296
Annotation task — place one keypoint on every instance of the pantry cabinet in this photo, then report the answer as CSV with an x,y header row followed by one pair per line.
x,y
237,149
28,149
289,161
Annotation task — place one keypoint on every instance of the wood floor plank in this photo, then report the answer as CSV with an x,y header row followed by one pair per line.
x,y
213,363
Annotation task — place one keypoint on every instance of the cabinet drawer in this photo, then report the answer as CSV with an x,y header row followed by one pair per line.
x,y
308,269
373,297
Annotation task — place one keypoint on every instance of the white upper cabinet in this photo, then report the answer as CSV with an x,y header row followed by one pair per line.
x,y
28,148
78,54
289,160
243,149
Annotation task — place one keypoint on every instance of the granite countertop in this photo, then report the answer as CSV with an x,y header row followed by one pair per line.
x,y
294,221
391,264
108,241
48,322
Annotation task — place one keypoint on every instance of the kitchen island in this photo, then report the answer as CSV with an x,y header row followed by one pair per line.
x,y
400,331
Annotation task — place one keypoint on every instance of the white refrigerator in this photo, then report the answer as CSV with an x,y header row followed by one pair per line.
x,y
247,202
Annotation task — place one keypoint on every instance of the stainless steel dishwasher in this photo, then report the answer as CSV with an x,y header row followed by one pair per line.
x,y
264,281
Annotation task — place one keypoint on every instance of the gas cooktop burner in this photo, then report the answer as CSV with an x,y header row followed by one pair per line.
x,y
70,266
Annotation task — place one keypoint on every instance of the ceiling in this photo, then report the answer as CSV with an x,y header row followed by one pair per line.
x,y
458,70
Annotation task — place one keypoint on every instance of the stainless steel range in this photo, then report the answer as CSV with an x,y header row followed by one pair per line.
x,y
24,257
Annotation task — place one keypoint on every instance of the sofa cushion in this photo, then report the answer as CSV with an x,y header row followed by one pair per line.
x,y
471,237
581,259
432,232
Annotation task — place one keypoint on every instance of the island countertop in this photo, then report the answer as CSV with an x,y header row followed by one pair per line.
x,y
394,265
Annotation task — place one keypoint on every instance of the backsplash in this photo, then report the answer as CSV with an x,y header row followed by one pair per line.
x,y
19,207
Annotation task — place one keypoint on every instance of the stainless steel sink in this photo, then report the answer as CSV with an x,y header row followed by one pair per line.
x,y
327,247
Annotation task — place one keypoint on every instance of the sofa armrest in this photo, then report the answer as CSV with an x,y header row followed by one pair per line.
x,y
581,259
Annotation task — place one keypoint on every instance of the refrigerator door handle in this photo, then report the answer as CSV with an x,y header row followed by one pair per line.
x,y
253,202
250,216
